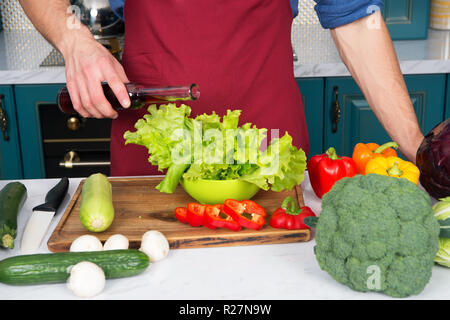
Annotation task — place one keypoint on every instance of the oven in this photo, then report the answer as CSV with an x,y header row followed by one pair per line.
x,y
73,146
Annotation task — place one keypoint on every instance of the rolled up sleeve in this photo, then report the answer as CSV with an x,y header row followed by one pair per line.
x,y
336,13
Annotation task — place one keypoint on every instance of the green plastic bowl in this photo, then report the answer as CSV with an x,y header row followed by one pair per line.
x,y
217,191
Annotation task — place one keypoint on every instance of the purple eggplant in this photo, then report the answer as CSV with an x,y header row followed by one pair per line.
x,y
433,160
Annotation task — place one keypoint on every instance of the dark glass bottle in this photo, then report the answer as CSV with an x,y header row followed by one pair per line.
x,y
140,96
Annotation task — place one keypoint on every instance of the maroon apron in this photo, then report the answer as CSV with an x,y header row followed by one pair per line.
x,y
238,52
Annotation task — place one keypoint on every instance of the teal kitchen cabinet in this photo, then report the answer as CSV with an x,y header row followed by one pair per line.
x,y
10,156
29,99
311,90
356,121
407,19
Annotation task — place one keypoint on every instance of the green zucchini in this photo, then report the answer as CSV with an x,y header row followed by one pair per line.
x,y
55,267
96,207
12,198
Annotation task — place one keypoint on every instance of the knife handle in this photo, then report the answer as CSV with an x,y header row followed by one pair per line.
x,y
55,196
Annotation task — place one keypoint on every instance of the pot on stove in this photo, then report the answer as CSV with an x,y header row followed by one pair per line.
x,y
98,16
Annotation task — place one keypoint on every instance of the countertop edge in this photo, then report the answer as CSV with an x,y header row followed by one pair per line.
x,y
56,75
44,76
408,67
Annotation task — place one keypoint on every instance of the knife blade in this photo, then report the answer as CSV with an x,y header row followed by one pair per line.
x,y
42,216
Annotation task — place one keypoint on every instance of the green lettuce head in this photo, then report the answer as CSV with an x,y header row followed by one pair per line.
x,y
216,148
443,255
442,209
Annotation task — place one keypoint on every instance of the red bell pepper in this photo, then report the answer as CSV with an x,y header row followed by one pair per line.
x,y
289,216
181,214
195,212
325,169
247,213
216,217
195,215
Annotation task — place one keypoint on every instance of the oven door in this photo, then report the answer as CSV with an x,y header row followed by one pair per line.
x,y
74,146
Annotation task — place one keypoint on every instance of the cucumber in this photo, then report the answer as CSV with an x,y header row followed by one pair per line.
x,y
55,267
12,198
96,207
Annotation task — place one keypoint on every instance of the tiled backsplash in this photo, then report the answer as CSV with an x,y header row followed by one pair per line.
x,y
13,17
306,13
308,36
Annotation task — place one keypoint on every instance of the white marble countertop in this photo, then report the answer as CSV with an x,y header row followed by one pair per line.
x,y
22,52
272,272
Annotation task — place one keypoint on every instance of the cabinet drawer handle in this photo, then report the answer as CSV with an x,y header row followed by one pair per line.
x,y
72,160
3,120
335,111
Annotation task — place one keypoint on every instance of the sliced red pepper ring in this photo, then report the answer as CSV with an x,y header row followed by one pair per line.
x,y
181,214
215,216
253,207
195,212
247,213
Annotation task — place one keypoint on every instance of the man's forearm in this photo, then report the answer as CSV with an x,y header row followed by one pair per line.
x,y
52,19
367,50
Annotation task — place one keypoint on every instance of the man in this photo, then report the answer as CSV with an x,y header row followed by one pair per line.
x,y
240,55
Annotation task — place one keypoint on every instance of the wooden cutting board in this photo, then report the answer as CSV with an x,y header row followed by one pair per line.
x,y
139,207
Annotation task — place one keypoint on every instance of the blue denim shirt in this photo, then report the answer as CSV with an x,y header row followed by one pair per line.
x,y
331,13
336,13
117,7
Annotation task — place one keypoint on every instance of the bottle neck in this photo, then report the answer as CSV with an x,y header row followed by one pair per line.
x,y
173,93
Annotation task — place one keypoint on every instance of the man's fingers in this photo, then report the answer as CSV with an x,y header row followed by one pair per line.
x,y
120,91
98,99
116,83
75,98
86,100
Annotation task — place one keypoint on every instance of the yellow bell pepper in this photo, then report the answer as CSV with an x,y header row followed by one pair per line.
x,y
393,167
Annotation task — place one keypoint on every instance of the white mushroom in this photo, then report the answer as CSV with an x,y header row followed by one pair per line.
x,y
116,242
86,242
86,279
155,245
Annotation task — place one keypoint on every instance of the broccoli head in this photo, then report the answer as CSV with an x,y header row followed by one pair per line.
x,y
377,233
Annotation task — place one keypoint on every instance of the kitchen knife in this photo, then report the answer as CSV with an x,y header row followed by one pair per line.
x,y
42,216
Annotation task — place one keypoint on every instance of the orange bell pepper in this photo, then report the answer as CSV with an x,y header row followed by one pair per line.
x,y
393,167
363,152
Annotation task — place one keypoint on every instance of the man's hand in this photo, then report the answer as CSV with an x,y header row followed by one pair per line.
x,y
88,63
367,50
